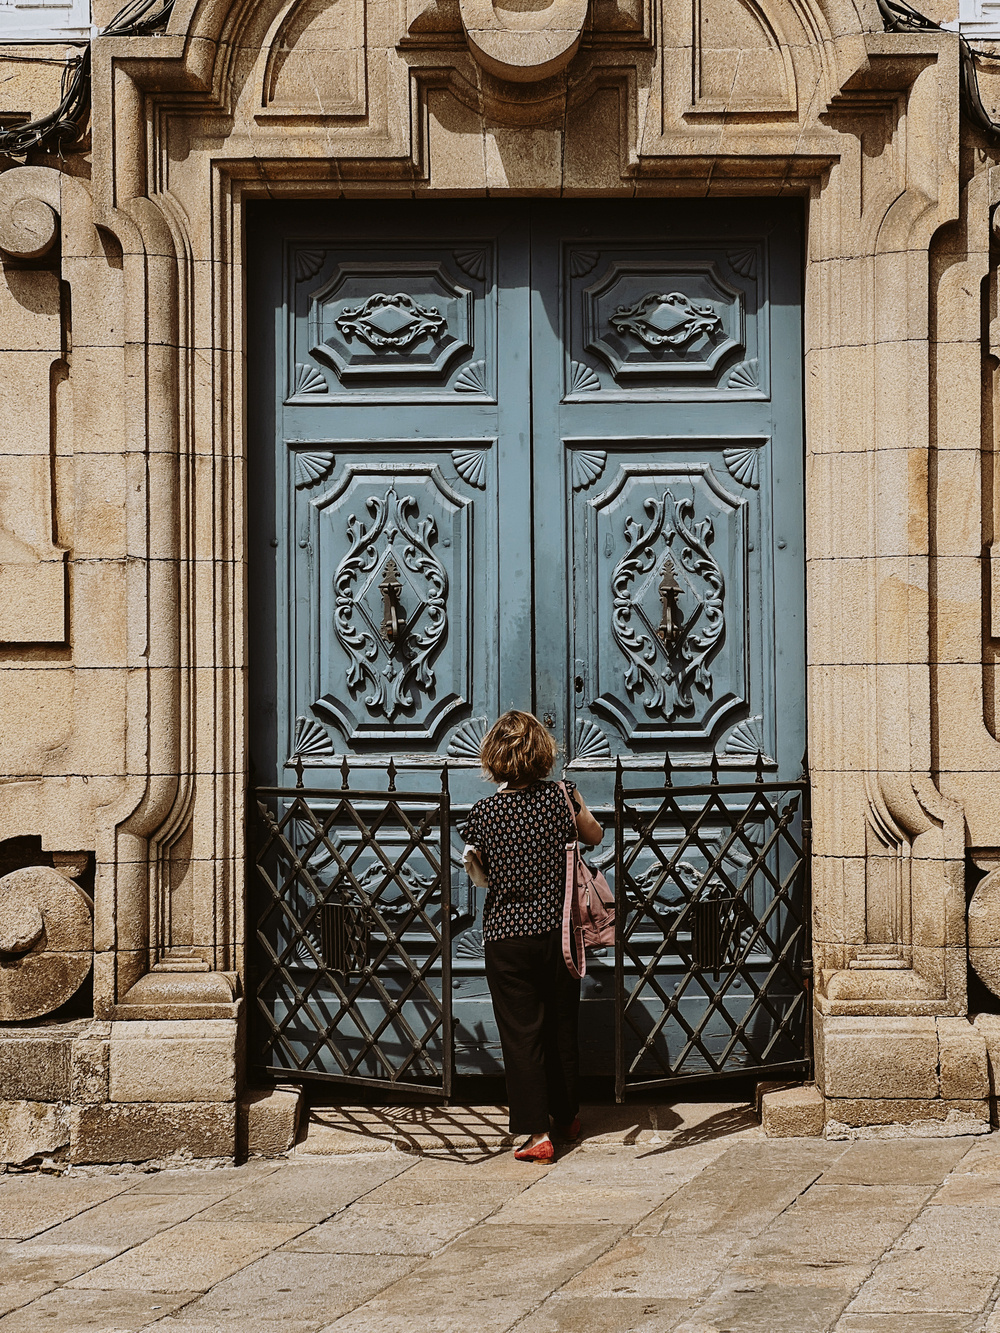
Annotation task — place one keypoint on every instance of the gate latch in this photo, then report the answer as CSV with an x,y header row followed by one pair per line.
x,y
393,615
671,622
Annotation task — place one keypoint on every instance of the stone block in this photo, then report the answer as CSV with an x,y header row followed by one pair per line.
x,y
964,1072
879,1058
89,1066
774,1085
905,1117
269,1120
35,1064
151,1132
793,1113
31,1129
173,1061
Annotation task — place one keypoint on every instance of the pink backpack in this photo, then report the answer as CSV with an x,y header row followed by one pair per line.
x,y
588,906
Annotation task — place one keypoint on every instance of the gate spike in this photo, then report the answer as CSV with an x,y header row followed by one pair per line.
x,y
298,771
391,773
444,777
715,769
760,767
668,769
618,779
345,770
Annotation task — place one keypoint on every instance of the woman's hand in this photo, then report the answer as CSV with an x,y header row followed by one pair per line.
x,y
587,827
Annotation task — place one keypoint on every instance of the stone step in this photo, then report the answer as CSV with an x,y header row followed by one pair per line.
x,y
430,1129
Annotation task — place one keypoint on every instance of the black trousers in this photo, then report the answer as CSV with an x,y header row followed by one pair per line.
x,y
537,1006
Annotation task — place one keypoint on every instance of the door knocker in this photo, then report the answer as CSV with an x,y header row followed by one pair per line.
x,y
393,615
671,623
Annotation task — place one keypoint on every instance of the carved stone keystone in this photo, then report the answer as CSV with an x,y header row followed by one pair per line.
x,y
46,941
520,43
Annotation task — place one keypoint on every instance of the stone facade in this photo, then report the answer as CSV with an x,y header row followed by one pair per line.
x,y
122,532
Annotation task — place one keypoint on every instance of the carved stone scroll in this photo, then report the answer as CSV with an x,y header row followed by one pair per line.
x,y
46,942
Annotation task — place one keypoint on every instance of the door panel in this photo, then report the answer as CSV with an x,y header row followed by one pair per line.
x,y
524,454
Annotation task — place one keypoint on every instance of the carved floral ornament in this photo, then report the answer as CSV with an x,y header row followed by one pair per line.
x,y
390,668
391,321
666,319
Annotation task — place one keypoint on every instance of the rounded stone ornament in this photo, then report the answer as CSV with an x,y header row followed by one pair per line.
x,y
46,942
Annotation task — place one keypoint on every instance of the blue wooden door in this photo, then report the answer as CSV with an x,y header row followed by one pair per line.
x,y
537,455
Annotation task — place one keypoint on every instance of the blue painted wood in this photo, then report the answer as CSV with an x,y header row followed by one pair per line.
x,y
537,411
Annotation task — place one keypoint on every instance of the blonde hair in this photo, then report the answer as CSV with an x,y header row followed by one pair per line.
x,y
517,749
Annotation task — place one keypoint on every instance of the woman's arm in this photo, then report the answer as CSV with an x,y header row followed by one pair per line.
x,y
587,826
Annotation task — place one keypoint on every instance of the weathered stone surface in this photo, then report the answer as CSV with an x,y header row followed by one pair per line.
x,y
140,1133
880,1058
192,1256
963,1068
311,1192
269,1120
795,1112
907,1162
90,1065
30,1203
173,1061
935,1118
66,1311
35,1062
31,1129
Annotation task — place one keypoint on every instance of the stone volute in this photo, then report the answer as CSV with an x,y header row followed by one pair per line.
x,y
984,931
521,40
46,942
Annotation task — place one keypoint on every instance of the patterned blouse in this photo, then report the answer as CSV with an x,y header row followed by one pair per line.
x,y
522,837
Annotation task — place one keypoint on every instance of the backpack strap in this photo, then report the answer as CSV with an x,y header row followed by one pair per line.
x,y
572,808
570,931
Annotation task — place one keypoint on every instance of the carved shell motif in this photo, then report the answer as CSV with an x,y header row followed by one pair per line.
x,y
311,738
472,261
591,742
583,379
308,379
467,739
744,262
588,464
472,379
744,465
308,263
744,376
582,261
746,739
470,464
312,467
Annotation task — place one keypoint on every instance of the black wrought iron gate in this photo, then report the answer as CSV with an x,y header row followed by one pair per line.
x,y
352,921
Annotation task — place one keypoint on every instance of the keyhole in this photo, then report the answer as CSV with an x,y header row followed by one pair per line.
x,y
578,684
549,719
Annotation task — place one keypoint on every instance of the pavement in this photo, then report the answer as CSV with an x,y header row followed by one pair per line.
x,y
678,1219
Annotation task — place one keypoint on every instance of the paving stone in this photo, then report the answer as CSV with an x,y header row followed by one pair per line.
x,y
310,1191
486,1280
250,1325
742,1191
123,1222
897,1161
603,1314
474,1169
772,1307
65,1311
655,1267
26,1275
947,1261
908,1323
190,1257
301,1286
832,1226
558,1204
32,1203
970,1190
197,1179
419,1186
368,1228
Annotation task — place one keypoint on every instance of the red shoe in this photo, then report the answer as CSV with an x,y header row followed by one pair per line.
x,y
541,1152
571,1132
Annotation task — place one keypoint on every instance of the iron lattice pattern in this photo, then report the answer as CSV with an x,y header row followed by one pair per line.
x,y
712,956
353,943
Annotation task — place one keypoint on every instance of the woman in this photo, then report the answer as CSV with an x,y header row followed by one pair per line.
x,y
521,834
